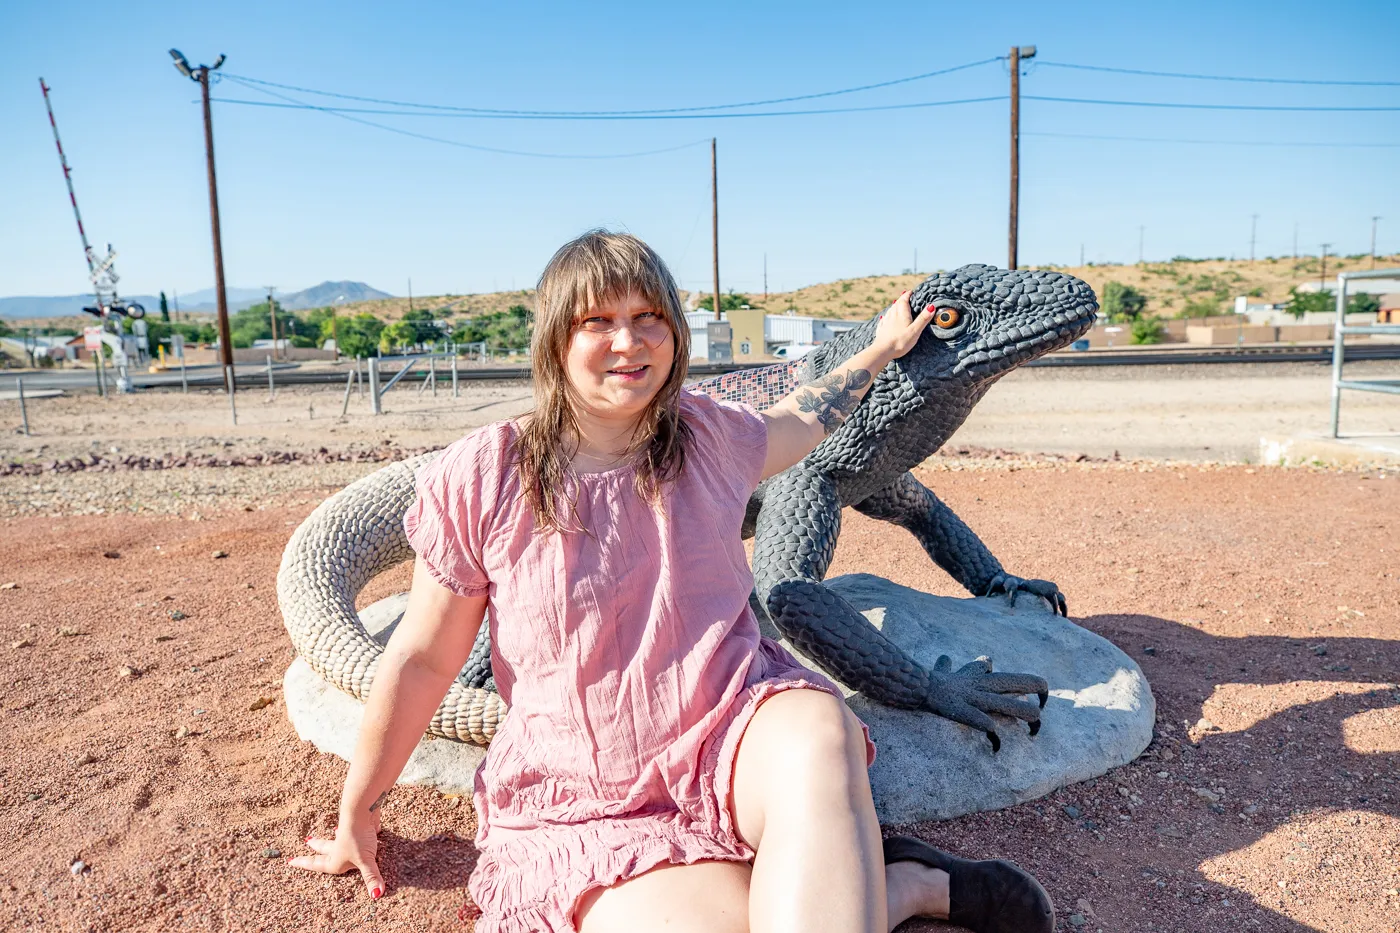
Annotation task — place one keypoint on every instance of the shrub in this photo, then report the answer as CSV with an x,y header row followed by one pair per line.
x,y
1300,303
359,335
1363,303
733,301
1148,330
1122,302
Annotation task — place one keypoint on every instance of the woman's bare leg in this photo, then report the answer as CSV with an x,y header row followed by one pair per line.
x,y
706,897
802,802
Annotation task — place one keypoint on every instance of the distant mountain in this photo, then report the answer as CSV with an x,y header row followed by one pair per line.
x,y
330,293
317,296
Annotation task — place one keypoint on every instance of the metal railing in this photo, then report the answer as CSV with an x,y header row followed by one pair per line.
x,y
377,392
1339,332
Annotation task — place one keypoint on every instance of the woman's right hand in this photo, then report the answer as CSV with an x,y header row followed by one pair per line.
x,y
354,846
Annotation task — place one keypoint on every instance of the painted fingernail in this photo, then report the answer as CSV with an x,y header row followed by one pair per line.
x,y
308,838
376,893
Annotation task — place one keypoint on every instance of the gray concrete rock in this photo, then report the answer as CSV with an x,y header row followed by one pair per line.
x,y
323,715
1100,714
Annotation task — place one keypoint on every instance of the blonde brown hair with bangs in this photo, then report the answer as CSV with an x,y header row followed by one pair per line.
x,y
593,269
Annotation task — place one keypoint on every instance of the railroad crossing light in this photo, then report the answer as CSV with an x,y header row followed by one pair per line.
x,y
181,65
1027,51
220,60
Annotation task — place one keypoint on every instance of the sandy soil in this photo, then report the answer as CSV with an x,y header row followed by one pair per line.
x,y
1260,602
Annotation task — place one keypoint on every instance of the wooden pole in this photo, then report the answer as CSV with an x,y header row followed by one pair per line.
x,y
220,294
1015,155
714,207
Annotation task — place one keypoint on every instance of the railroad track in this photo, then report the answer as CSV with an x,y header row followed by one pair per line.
x,y
254,377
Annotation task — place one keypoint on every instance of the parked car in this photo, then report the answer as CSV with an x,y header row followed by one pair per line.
x,y
794,351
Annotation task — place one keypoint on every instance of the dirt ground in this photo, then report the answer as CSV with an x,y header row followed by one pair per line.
x,y
1260,602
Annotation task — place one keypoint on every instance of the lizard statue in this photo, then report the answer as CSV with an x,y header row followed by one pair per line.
x,y
987,321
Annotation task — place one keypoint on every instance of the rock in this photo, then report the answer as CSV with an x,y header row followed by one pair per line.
x,y
160,638
271,852
111,555
67,631
87,758
22,643
1100,714
127,671
9,586
1073,812
33,795
260,703
218,554
1150,651
1206,794
1077,920
1320,650
177,615
182,732
78,867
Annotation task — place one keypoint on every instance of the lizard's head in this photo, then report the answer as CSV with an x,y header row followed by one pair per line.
x,y
987,321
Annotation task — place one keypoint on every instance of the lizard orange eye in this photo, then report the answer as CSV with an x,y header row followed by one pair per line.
x,y
947,318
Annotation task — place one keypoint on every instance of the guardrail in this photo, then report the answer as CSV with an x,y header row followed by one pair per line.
x,y
1339,332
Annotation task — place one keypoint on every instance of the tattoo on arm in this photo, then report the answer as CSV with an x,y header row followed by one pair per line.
x,y
377,801
833,397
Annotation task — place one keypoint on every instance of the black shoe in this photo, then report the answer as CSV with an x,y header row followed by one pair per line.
x,y
991,896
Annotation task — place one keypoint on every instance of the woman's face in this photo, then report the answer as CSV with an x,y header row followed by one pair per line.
x,y
620,354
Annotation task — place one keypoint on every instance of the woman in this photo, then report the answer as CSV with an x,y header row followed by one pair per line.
x,y
661,764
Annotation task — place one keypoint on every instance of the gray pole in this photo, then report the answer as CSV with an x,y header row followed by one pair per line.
x,y
184,383
271,389
1373,240
345,405
1337,351
228,380
455,393
97,371
374,400
220,293
23,410
1253,228
432,373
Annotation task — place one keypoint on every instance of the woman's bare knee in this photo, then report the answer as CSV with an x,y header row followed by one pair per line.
x,y
801,747
704,897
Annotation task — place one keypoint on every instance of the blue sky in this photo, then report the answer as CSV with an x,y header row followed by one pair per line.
x,y
306,196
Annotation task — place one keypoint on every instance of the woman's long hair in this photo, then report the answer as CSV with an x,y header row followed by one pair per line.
x,y
586,272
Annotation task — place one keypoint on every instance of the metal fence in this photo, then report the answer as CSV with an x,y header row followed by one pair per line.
x,y
1339,333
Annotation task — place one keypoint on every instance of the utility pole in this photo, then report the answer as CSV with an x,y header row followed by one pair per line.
x,y
1141,228
916,260
272,314
1081,255
714,208
765,272
1322,279
1373,240
1253,227
1018,52
201,75
410,295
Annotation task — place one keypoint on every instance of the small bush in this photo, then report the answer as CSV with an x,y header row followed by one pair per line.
x,y
1148,330
1300,303
1122,302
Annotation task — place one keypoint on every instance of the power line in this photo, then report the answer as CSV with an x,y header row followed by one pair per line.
x,y
660,116
616,113
1205,77
473,146
1216,142
1179,106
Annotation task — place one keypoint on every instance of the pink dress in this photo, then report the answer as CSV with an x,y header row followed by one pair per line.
x,y
629,657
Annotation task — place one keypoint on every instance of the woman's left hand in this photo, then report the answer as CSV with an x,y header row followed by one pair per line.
x,y
899,328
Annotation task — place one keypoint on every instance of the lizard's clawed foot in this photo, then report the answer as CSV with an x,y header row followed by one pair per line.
x,y
1010,584
969,694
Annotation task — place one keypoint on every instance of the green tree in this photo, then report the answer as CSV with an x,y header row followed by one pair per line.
x,y
731,301
1122,302
1148,330
5,329
359,335
1300,303
502,330
1363,303
164,308
255,323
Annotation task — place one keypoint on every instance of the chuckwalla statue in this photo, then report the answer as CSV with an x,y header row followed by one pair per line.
x,y
988,322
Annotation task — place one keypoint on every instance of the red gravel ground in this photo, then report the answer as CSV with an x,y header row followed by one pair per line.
x,y
1261,603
